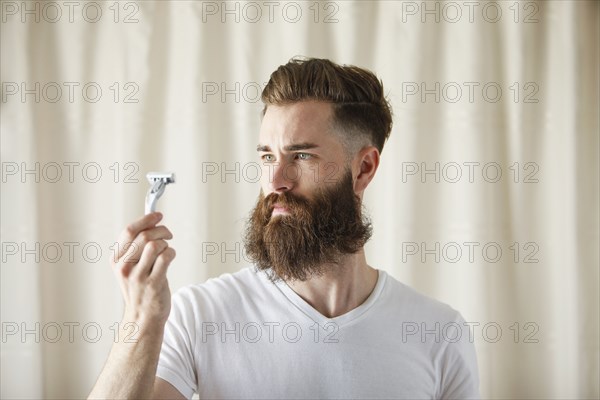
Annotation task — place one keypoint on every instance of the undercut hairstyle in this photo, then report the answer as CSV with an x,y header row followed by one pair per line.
x,y
361,113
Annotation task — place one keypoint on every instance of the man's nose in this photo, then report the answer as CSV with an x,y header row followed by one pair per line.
x,y
284,177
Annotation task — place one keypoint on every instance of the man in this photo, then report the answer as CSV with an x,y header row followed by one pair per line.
x,y
310,319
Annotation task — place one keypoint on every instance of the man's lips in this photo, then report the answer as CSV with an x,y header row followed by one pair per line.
x,y
279,209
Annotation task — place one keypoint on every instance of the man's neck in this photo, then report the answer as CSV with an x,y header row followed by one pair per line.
x,y
341,289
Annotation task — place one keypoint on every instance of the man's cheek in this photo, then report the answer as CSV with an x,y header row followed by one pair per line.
x,y
266,176
325,174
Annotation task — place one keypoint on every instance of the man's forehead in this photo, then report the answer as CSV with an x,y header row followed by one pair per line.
x,y
296,123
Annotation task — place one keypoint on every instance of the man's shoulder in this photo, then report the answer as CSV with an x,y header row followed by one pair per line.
x,y
228,288
411,302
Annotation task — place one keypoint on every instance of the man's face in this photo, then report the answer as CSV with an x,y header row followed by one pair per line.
x,y
299,151
307,214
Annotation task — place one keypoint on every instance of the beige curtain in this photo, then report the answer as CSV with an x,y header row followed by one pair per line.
x,y
486,197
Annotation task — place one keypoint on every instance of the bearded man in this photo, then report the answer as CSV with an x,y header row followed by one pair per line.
x,y
310,318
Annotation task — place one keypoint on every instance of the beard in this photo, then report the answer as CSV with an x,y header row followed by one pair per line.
x,y
312,238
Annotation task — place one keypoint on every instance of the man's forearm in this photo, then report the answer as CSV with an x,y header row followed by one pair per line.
x,y
130,370
140,264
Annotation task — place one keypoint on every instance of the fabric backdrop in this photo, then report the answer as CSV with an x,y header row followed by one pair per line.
x,y
486,197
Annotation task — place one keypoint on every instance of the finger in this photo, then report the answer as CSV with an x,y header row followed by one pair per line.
x,y
136,248
151,251
132,230
159,270
158,232
133,256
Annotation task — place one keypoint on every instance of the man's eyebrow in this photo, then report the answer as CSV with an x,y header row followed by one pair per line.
x,y
300,146
290,147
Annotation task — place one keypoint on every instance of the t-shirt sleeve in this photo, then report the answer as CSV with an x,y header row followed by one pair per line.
x,y
176,362
459,373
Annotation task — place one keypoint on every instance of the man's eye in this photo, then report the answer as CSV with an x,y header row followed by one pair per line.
x,y
304,156
268,157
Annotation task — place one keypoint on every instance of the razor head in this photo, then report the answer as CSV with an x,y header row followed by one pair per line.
x,y
165,177
158,182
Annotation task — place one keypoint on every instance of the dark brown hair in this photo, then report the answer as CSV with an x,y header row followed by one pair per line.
x,y
360,108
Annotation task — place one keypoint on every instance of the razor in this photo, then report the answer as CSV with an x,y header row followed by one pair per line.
x,y
158,182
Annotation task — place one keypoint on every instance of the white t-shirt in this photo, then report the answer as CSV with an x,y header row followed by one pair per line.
x,y
242,336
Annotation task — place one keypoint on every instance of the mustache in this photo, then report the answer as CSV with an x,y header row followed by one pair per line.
x,y
292,202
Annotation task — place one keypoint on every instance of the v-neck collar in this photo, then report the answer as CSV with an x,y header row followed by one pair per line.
x,y
340,320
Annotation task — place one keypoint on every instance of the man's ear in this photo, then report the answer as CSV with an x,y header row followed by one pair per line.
x,y
364,165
